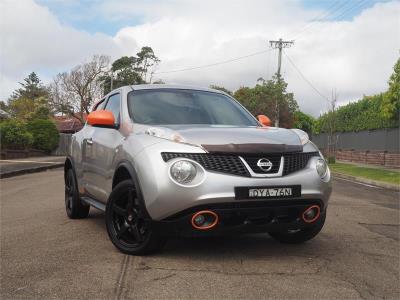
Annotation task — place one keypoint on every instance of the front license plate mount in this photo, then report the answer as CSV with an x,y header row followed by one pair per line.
x,y
268,192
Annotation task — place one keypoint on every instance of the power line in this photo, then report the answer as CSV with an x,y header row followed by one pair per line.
x,y
336,14
305,79
351,9
322,16
213,64
332,10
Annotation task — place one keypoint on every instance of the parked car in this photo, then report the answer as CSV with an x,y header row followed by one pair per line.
x,y
165,161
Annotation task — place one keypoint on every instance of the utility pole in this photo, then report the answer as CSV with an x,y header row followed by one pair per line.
x,y
279,45
112,79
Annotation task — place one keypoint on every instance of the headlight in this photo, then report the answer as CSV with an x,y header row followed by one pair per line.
x,y
183,171
304,138
321,167
164,133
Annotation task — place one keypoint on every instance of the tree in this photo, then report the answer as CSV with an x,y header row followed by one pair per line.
x,y
123,72
31,88
74,92
262,99
129,70
390,108
4,106
221,88
146,59
29,101
304,122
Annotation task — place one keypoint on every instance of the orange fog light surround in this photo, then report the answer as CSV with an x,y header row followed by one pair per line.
x,y
205,212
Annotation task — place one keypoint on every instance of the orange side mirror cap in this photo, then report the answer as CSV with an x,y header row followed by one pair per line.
x,y
101,118
264,120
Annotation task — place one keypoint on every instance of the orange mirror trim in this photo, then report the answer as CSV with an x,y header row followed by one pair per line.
x,y
264,120
101,118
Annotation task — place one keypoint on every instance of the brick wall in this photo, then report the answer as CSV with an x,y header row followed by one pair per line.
x,y
383,158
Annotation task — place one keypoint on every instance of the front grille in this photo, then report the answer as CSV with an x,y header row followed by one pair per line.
x,y
297,161
231,164
252,162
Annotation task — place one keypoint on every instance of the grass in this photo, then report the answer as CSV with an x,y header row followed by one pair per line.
x,y
387,176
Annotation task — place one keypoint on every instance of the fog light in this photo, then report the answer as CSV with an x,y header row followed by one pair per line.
x,y
311,214
204,220
183,171
199,220
321,167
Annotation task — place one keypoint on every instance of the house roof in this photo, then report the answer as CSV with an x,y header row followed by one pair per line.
x,y
68,124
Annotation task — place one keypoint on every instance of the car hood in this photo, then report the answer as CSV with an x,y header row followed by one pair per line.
x,y
223,139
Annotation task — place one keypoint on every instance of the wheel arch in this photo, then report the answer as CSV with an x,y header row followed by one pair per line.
x,y
125,170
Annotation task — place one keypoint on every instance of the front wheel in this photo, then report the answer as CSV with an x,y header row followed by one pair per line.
x,y
127,225
300,235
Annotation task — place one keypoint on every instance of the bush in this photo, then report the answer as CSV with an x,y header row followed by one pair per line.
x,y
364,114
331,160
14,135
45,134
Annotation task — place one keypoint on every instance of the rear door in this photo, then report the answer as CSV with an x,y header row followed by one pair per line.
x,y
103,143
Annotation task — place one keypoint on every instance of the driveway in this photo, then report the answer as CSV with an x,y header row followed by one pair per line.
x,y
46,255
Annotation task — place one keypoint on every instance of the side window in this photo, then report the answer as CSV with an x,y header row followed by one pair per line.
x,y
113,106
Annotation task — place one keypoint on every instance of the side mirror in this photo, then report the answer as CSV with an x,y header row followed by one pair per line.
x,y
264,120
101,118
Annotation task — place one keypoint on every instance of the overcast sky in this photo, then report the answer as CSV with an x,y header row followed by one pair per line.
x,y
348,45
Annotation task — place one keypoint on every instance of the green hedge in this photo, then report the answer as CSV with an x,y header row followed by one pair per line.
x,y
39,134
365,114
45,134
14,135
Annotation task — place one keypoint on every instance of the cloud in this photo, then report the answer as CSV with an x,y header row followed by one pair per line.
x,y
355,57
33,39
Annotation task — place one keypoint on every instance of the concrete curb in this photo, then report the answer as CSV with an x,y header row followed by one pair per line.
x,y
367,181
31,170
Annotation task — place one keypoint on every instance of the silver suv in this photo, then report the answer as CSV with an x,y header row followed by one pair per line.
x,y
165,161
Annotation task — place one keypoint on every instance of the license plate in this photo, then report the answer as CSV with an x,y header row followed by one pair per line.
x,y
265,193
273,192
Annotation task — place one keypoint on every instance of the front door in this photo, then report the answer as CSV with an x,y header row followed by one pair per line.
x,y
103,144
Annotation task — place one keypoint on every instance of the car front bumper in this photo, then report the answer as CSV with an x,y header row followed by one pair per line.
x,y
240,218
165,199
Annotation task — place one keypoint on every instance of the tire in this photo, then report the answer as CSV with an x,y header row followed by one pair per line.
x,y
73,205
301,235
127,223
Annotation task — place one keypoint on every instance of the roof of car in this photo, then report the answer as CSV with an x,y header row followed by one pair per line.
x,y
171,86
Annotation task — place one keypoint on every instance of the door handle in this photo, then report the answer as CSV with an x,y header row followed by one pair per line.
x,y
89,141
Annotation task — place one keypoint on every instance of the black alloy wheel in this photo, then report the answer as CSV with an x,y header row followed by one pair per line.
x,y
127,225
74,207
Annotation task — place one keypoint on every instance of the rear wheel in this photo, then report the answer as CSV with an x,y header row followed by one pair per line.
x,y
127,225
73,205
301,235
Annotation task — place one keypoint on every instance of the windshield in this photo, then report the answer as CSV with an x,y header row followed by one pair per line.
x,y
175,107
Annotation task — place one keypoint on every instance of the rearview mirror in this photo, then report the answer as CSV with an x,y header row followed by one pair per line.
x,y
101,118
264,120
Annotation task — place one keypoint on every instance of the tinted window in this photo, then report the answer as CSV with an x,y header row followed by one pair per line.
x,y
113,105
170,107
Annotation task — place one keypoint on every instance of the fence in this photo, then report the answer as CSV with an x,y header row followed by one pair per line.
x,y
65,140
378,147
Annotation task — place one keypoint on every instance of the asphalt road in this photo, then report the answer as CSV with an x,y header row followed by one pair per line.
x,y
46,255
